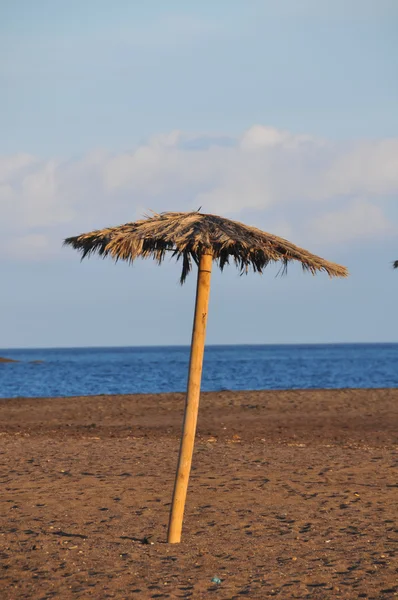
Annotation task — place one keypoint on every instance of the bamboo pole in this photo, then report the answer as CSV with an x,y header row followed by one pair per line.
x,y
192,400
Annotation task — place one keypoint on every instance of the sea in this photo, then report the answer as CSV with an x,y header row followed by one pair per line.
x,y
92,371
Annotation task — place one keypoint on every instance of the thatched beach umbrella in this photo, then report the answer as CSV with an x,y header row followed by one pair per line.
x,y
199,238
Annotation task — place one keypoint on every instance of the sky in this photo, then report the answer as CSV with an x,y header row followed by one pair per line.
x,y
280,114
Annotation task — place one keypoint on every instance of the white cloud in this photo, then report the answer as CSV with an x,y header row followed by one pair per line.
x,y
10,165
369,167
288,177
259,136
359,219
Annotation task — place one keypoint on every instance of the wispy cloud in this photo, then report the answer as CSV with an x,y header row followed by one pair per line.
x,y
357,219
314,189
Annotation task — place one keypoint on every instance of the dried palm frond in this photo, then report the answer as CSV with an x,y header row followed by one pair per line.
x,y
189,234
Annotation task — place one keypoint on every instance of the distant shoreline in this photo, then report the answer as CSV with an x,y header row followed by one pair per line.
x,y
6,350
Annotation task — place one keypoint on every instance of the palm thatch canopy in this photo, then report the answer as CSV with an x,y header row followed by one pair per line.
x,y
188,235
395,265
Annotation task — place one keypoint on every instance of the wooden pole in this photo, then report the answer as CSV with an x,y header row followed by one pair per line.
x,y
192,400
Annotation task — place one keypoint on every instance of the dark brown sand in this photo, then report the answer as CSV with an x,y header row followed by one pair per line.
x,y
292,495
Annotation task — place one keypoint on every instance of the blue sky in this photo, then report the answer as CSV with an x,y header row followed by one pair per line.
x,y
279,114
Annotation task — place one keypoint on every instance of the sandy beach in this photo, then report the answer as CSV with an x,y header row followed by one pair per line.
x,y
292,495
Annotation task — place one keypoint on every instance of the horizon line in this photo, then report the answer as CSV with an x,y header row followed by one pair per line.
x,y
219,345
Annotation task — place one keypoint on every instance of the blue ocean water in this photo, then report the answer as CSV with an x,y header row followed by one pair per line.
x,y
86,371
